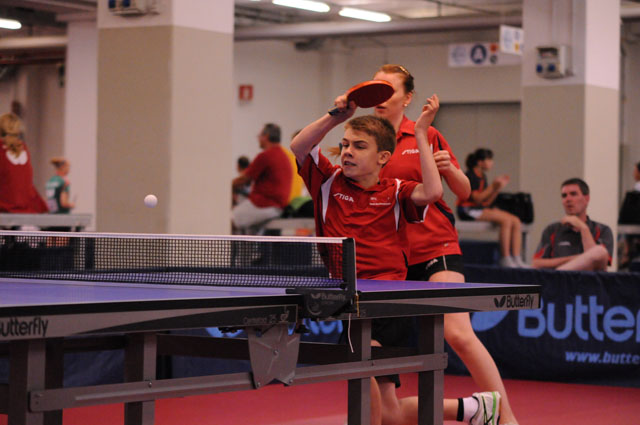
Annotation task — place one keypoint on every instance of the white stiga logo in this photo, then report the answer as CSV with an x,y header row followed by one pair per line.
x,y
375,201
343,197
410,151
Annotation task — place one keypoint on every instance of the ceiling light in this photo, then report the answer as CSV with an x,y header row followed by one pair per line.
x,y
364,14
10,24
314,6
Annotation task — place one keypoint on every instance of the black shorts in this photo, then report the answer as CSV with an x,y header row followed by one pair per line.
x,y
469,213
423,271
394,332
390,332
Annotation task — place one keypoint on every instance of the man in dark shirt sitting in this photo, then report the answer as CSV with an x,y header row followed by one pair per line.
x,y
575,242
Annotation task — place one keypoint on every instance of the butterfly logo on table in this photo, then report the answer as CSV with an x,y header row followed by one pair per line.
x,y
483,321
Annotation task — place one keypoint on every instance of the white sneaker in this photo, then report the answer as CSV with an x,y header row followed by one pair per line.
x,y
488,408
507,262
520,262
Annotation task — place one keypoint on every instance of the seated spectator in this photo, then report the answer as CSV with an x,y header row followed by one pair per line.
x,y
575,242
17,192
58,188
241,193
271,175
478,207
629,245
297,185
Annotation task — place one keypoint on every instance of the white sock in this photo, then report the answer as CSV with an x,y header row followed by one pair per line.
x,y
470,405
520,262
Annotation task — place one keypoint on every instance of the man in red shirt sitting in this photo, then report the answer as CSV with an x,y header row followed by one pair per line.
x,y
271,174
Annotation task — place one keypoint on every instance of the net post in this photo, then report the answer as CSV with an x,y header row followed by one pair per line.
x,y
349,265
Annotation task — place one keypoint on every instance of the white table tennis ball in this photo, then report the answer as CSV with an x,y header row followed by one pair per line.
x,y
151,200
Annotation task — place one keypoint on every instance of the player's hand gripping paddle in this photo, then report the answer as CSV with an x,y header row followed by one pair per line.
x,y
367,94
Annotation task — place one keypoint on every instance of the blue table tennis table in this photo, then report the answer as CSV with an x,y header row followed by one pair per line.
x,y
41,319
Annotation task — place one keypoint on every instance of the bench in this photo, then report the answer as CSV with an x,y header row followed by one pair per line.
x,y
77,222
479,229
482,230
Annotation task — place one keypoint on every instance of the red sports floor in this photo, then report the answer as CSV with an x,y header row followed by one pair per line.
x,y
535,403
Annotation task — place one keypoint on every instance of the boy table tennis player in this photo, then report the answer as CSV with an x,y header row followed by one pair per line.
x,y
350,200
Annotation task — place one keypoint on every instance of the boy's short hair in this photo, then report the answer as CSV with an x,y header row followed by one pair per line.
x,y
379,128
584,187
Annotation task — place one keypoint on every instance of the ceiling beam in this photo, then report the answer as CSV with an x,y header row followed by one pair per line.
x,y
343,29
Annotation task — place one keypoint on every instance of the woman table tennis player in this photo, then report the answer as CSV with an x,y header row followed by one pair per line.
x,y
435,254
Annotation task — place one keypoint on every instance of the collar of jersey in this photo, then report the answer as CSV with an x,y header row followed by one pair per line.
x,y
358,186
407,127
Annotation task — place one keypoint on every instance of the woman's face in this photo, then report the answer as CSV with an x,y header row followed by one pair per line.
x,y
395,106
486,164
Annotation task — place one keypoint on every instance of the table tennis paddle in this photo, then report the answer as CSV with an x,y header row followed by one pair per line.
x,y
368,94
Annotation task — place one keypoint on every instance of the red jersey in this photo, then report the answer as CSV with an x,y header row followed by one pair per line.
x,y
17,193
436,235
272,175
374,217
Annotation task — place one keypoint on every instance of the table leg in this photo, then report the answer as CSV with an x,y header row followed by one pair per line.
x,y
430,383
54,376
359,390
140,365
26,373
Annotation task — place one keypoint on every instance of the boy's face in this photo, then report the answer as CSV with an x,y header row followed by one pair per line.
x,y
359,156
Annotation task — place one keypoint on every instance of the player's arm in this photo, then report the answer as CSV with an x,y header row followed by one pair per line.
x,y
313,133
488,195
551,263
240,181
581,227
457,181
430,190
64,200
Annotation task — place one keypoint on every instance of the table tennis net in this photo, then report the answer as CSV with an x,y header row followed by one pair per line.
x,y
167,259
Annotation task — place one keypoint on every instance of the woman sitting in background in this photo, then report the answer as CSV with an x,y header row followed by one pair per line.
x,y
17,192
478,206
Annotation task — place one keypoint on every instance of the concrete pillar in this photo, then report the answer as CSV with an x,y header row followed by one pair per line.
x,y
164,118
81,112
570,125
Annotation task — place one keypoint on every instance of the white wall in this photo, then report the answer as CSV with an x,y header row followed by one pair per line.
x,y
8,91
630,131
48,94
286,91
81,106
292,88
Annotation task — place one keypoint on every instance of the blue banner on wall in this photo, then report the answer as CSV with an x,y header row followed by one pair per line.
x,y
587,328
